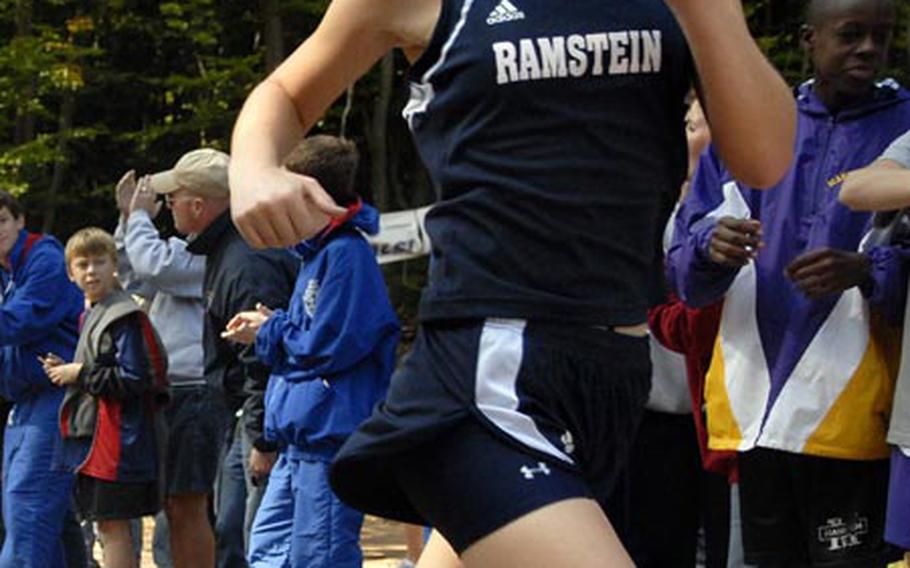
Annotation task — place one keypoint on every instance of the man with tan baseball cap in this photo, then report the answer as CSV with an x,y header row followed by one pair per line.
x,y
236,278
202,171
195,190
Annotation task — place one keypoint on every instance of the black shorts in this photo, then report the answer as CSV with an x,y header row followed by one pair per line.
x,y
813,511
670,496
482,410
195,432
100,500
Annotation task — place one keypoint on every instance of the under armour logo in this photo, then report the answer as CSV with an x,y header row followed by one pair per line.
x,y
568,443
530,472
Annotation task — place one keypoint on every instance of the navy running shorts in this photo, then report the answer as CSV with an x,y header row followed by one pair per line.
x,y
489,420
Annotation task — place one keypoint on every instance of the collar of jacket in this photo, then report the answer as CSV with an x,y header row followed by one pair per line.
x,y
116,295
360,216
205,242
885,93
16,253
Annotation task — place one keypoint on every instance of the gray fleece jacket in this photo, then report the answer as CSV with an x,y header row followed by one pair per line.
x,y
171,277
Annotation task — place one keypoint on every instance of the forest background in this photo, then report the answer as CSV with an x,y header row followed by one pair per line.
x,y
91,89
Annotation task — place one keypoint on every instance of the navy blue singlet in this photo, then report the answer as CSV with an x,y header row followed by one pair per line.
x,y
554,132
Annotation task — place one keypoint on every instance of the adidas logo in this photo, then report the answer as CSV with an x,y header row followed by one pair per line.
x,y
505,11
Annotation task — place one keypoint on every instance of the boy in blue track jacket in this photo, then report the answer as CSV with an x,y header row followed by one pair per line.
x,y
331,353
39,313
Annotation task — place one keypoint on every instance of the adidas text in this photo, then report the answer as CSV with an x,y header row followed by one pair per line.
x,y
505,11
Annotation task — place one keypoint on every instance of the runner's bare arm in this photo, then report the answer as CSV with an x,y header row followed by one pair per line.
x,y
749,106
271,206
882,186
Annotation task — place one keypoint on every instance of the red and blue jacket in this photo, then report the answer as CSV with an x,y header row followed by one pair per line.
x,y
107,418
333,351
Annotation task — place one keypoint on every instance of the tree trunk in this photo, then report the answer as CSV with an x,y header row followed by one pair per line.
x,y
274,40
397,188
378,134
346,112
25,120
67,110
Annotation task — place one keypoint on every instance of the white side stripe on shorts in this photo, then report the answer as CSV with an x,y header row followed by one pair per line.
x,y
498,364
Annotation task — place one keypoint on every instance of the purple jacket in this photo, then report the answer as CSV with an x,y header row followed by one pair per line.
x,y
800,214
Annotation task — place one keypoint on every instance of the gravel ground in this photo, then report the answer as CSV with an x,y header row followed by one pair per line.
x,y
382,540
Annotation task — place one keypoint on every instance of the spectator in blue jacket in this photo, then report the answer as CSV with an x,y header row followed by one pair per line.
x,y
39,313
331,354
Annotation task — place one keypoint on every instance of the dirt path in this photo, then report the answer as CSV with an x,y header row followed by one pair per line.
x,y
382,541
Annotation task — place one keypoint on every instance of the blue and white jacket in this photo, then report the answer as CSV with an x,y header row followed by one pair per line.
x,y
790,373
332,352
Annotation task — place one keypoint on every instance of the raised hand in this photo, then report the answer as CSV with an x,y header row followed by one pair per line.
x,y
144,198
123,192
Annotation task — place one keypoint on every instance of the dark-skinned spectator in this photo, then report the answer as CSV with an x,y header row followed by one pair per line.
x,y
800,381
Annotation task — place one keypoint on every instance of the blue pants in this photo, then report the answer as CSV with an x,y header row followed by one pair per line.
x,y
161,542
36,495
301,523
897,525
236,501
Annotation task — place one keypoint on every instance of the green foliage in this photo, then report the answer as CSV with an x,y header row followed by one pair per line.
x,y
148,81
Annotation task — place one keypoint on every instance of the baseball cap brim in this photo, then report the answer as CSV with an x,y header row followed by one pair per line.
x,y
164,182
